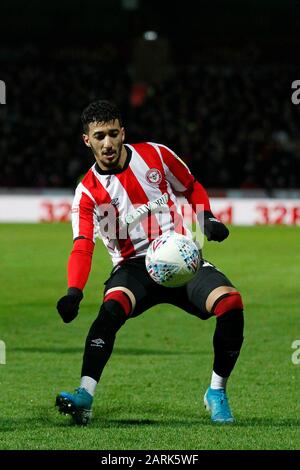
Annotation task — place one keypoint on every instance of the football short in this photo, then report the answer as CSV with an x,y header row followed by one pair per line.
x,y
191,297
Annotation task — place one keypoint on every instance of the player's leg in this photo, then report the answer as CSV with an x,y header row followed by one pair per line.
x,y
115,309
117,306
225,303
227,306
125,296
212,294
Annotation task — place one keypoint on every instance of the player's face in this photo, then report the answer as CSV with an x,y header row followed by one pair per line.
x,y
106,141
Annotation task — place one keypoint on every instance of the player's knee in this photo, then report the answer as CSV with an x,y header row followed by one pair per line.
x,y
120,297
117,306
123,296
230,301
111,317
230,329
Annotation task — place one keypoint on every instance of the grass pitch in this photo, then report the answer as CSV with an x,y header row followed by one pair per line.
x,y
151,393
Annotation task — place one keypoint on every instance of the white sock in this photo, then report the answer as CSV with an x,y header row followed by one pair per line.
x,y
89,384
217,381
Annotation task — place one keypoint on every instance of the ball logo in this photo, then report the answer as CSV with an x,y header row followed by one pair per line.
x,y
153,176
156,243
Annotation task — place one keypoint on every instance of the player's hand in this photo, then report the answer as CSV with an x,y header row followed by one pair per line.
x,y
213,228
68,305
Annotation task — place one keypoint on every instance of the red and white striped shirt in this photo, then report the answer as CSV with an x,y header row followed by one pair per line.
x,y
130,207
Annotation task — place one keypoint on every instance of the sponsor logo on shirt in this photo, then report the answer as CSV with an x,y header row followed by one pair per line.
x,y
145,208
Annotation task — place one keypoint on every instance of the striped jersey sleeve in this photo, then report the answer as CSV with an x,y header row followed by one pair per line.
x,y
177,172
182,180
84,214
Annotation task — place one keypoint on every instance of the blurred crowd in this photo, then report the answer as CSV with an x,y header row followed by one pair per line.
x,y
234,124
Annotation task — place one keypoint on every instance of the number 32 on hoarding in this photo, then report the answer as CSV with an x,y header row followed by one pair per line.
x,y
55,212
278,214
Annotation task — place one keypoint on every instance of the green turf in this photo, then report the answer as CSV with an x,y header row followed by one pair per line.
x,y
151,392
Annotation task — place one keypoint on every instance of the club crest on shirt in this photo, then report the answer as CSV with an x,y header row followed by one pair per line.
x,y
153,176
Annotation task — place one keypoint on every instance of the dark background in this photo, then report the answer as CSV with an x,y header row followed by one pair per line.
x,y
215,86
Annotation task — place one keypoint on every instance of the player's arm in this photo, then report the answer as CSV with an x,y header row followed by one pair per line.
x,y
183,182
213,228
80,259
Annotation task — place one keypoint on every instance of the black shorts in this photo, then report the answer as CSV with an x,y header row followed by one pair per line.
x,y
133,275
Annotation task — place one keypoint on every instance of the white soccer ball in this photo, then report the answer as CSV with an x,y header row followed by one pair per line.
x,y
172,259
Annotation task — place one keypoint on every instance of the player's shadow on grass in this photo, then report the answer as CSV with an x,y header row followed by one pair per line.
x,y
48,420
168,422
181,416
107,423
117,351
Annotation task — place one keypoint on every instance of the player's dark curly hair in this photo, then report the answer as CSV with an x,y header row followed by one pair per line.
x,y
100,111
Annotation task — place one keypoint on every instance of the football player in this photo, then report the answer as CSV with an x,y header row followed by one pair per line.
x,y
108,203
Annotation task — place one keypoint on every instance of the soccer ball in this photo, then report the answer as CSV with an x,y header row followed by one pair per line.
x,y
172,259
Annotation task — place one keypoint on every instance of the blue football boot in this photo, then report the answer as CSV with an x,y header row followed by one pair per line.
x,y
216,402
77,404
